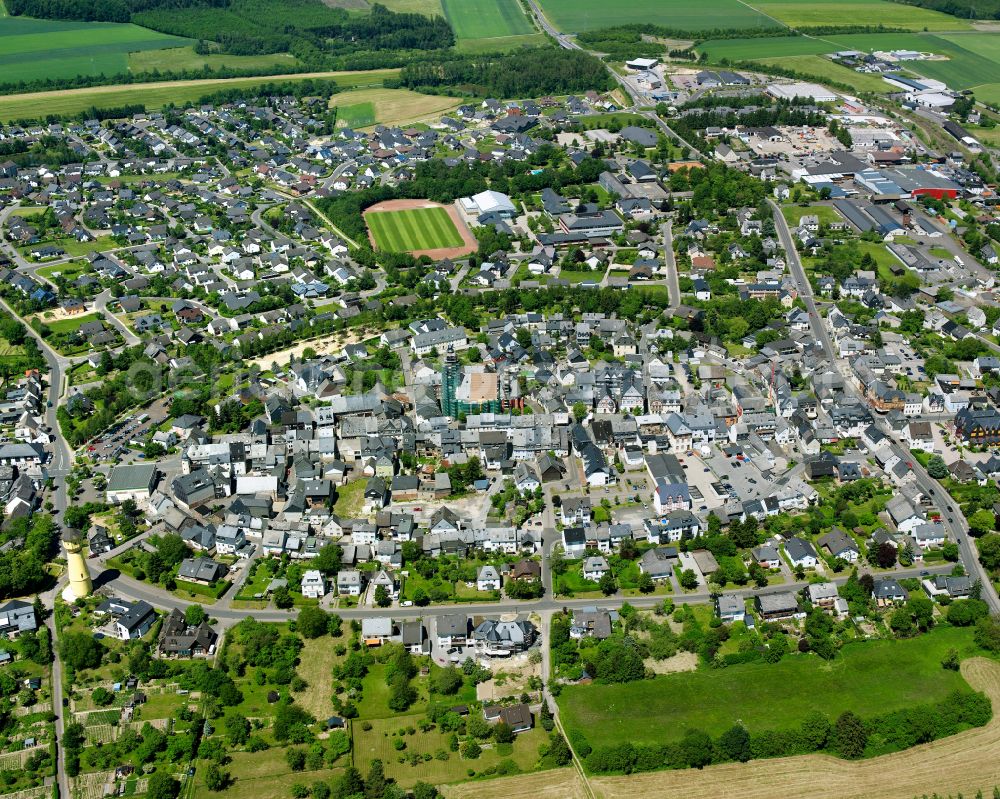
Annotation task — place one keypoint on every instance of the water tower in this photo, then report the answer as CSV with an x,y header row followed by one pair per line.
x,y
80,584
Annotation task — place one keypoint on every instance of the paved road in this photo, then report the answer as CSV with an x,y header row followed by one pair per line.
x,y
673,279
954,522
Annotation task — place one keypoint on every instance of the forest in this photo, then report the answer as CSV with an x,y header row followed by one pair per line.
x,y
528,73
99,10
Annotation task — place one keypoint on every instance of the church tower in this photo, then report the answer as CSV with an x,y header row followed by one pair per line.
x,y
80,584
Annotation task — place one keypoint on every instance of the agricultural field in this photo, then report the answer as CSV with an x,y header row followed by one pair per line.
x,y
759,694
489,24
36,49
573,16
362,108
177,59
413,230
160,93
814,13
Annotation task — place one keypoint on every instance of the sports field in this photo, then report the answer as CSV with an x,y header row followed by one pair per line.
x,y
813,13
768,696
159,93
413,230
35,49
573,16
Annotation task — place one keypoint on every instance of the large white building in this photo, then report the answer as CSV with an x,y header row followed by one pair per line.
x,y
489,202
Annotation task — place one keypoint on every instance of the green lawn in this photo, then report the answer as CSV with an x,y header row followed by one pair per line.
x,y
72,323
482,19
356,115
375,695
415,229
869,678
573,16
378,743
826,213
35,49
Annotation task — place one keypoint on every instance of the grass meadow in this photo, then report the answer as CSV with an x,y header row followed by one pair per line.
x,y
416,229
869,678
160,93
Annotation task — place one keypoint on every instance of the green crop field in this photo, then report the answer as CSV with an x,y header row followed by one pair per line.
x,y
573,16
416,229
35,49
482,19
812,13
769,696
160,93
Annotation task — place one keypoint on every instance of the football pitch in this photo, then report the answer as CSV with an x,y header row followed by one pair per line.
x,y
413,230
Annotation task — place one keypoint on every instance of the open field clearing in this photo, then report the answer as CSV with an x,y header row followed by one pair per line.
x,y
481,19
768,696
358,109
35,49
316,667
176,59
503,43
573,16
429,8
160,93
814,13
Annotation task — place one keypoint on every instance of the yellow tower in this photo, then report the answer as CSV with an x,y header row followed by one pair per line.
x,y
76,567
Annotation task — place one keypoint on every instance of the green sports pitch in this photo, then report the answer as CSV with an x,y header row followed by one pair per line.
x,y
413,230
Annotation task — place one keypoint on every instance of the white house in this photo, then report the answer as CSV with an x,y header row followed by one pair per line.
x,y
594,568
488,579
313,585
801,553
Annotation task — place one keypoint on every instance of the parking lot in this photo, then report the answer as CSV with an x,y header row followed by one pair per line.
x,y
746,479
118,438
